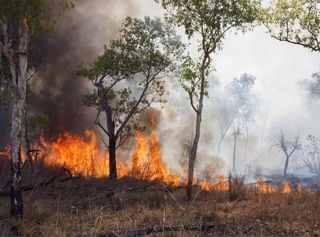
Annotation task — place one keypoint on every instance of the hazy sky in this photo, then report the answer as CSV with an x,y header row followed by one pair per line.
x,y
278,66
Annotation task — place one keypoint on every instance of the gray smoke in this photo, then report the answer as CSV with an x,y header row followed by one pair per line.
x,y
80,37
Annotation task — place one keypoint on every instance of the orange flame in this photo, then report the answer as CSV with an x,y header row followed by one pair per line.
x,y
219,185
263,187
146,162
80,156
286,189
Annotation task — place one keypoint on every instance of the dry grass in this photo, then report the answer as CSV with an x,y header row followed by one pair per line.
x,y
81,207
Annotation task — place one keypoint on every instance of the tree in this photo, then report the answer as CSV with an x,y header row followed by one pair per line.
x,y
288,148
312,86
20,21
238,104
294,21
236,133
128,78
311,156
209,21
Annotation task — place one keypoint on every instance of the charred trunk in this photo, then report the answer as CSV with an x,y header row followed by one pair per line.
x,y
19,76
112,154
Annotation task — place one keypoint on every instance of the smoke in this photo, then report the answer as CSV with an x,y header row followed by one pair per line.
x,y
79,38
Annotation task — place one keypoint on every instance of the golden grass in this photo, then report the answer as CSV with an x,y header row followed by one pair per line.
x,y
89,207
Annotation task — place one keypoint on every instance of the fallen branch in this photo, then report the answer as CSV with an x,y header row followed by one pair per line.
x,y
43,184
159,229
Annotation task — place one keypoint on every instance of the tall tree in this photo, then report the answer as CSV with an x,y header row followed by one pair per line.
x,y
20,21
128,78
294,21
209,21
237,104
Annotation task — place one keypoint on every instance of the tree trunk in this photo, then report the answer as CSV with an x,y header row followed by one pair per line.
x,y
19,81
286,166
193,152
234,153
112,143
222,136
112,156
192,156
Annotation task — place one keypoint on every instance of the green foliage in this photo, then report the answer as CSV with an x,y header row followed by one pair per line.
x,y
294,21
41,15
210,18
128,76
209,21
191,79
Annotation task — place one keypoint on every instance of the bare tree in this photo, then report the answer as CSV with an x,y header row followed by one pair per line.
x,y
288,148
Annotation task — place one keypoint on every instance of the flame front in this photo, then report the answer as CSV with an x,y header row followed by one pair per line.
x,y
263,187
286,189
79,155
219,185
146,161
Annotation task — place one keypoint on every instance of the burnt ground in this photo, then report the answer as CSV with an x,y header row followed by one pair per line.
x,y
56,204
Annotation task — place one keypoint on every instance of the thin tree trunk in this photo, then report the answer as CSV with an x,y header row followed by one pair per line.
x,y
18,73
112,154
223,134
193,152
192,157
236,135
286,166
234,155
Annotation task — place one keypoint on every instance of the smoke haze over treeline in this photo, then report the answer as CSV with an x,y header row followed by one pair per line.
x,y
284,106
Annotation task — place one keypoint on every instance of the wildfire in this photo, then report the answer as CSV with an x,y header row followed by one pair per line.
x,y
286,189
263,187
78,155
219,185
146,161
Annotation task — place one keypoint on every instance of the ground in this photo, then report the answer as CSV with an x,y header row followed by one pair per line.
x,y
59,205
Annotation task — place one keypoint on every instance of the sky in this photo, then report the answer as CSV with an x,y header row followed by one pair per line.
x,y
278,67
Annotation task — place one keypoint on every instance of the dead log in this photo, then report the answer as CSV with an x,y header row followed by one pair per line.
x,y
159,229
42,184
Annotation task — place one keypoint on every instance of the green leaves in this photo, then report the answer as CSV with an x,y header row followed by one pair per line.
x,y
128,76
294,21
209,21
41,15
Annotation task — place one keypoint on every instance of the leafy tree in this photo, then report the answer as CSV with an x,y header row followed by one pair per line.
x,y
128,78
312,86
20,21
294,21
311,156
238,104
209,21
